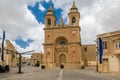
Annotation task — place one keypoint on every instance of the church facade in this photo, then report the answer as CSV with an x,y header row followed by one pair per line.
x,y
62,43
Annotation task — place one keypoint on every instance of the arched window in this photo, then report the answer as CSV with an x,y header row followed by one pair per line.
x,y
49,21
62,42
73,19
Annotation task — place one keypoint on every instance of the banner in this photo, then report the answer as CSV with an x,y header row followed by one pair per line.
x,y
3,39
100,43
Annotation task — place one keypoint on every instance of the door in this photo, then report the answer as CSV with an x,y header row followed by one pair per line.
x,y
62,59
105,65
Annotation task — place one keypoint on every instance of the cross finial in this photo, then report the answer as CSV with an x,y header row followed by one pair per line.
x,y
73,2
74,6
50,7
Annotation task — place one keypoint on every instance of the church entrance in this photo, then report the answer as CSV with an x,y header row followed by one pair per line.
x,y
61,48
62,59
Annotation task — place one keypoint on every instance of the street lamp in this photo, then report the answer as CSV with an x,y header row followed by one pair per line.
x,y
96,55
19,71
21,61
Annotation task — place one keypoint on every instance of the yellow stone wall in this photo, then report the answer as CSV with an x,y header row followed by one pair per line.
x,y
62,43
10,58
36,57
111,55
89,54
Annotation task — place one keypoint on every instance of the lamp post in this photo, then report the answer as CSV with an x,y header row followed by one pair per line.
x,y
20,56
96,55
21,60
97,60
19,71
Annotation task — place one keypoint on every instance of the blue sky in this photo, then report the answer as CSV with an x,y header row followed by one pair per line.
x,y
39,16
23,20
23,43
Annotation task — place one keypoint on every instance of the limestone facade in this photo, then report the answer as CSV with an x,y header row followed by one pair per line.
x,y
62,43
0,54
10,58
36,58
89,55
25,60
111,52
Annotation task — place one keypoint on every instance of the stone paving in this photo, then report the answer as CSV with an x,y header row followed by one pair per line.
x,y
30,73
35,73
93,75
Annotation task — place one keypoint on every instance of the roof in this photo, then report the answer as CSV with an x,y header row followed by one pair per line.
x,y
108,34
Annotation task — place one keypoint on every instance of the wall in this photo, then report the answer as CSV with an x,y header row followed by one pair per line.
x,y
89,54
91,63
114,64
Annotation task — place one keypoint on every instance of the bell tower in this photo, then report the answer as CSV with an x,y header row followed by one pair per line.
x,y
62,43
74,16
50,18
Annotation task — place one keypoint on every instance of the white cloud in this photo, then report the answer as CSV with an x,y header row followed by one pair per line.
x,y
37,35
47,1
29,17
88,26
108,16
17,21
97,16
41,7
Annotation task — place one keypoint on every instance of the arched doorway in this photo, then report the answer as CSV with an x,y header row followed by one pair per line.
x,y
61,48
62,59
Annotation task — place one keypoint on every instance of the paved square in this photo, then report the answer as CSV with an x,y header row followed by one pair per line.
x,y
35,73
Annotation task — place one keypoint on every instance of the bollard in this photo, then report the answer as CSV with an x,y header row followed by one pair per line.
x,y
42,66
7,68
61,66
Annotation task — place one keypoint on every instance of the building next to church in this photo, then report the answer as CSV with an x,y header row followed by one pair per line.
x,y
89,55
62,43
0,54
111,52
36,58
10,58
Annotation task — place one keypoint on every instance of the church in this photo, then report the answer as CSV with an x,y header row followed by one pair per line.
x,y
62,43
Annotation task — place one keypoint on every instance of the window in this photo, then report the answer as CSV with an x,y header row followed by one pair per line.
x,y
105,59
54,22
48,36
73,51
0,50
105,45
73,20
48,53
62,42
49,21
117,44
85,49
